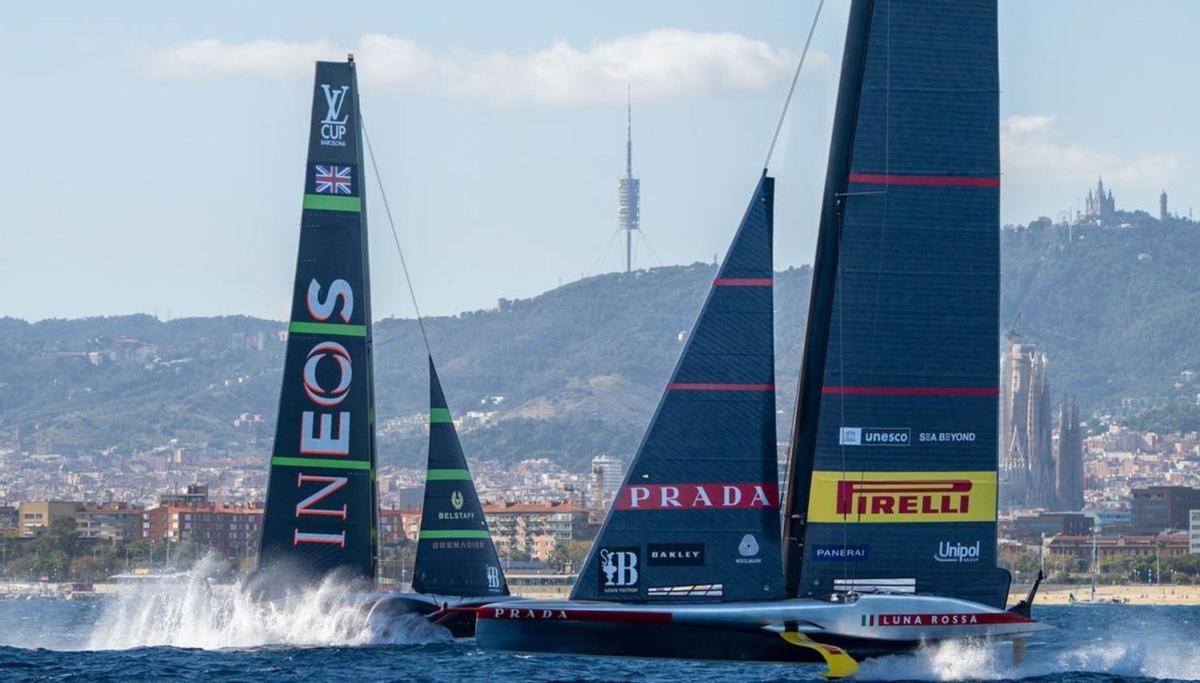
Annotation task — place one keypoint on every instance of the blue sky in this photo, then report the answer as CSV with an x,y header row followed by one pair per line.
x,y
159,148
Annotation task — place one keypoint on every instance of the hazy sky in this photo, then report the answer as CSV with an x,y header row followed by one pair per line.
x,y
157,149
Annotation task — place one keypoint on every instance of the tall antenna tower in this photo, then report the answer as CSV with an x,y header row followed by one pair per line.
x,y
628,189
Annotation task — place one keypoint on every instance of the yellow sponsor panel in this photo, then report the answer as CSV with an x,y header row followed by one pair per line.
x,y
871,497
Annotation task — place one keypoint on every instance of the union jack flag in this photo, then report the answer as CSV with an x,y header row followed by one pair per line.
x,y
332,179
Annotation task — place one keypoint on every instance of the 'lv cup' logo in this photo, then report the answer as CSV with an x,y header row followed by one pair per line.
x,y
333,126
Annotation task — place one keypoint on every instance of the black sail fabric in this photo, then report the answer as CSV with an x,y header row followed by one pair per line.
x,y
903,487
697,518
455,553
321,505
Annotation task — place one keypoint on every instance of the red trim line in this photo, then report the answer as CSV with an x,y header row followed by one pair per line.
x,y
700,386
928,180
742,282
537,613
912,391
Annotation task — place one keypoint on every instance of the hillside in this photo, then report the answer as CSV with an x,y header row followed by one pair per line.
x,y
577,371
1116,310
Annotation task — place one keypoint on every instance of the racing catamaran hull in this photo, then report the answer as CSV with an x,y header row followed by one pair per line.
x,y
869,626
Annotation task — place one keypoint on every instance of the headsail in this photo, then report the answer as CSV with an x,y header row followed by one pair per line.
x,y
455,553
321,499
698,515
897,421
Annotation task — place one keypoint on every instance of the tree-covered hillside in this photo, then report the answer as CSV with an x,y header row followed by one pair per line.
x,y
578,370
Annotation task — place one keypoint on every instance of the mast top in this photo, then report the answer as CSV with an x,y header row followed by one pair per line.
x,y
350,57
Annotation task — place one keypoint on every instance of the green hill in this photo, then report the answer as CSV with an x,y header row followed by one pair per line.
x,y
578,370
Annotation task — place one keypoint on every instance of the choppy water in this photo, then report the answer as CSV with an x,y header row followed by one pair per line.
x,y
191,631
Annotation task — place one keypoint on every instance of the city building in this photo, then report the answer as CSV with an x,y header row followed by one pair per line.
x,y
1080,547
8,518
1027,467
1114,521
35,517
1032,528
1069,460
195,494
534,529
114,522
608,474
1162,508
230,529
1194,532
1099,205
391,526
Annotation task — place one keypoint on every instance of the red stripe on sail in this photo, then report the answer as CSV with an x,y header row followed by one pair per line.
x,y
701,386
742,282
912,391
927,180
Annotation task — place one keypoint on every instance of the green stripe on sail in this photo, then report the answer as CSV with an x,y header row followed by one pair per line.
x,y
325,463
295,327
454,534
323,202
438,416
447,475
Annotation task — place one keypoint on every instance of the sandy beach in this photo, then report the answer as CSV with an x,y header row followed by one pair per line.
x,y
1135,594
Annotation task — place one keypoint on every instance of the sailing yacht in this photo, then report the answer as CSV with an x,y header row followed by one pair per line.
x,y
322,508
889,520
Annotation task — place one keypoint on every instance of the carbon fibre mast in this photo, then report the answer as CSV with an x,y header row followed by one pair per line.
x,y
321,511
820,305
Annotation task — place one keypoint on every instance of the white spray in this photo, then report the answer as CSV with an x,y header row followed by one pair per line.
x,y
196,613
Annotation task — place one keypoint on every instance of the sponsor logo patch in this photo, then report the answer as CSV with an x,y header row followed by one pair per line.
x,y
675,554
874,436
889,497
698,496
618,571
953,551
493,576
748,549
333,126
852,553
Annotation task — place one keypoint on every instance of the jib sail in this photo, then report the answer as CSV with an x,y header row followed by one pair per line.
x,y
321,500
455,553
697,517
894,459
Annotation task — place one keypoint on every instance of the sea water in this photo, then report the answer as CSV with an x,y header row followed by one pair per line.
x,y
196,630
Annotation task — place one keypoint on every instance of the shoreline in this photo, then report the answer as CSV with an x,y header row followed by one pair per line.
x,y
1130,594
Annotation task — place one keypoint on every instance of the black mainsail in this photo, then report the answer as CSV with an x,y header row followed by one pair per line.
x,y
892,481
698,515
455,553
321,510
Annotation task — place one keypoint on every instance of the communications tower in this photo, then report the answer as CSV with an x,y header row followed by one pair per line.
x,y
628,190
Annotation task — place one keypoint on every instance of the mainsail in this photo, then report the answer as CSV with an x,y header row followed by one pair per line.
x,y
893,464
698,515
455,553
321,510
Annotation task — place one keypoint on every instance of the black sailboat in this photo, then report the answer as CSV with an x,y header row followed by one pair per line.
x,y
891,505
322,508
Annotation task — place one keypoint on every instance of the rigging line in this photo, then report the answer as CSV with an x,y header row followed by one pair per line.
x,y
791,90
650,247
395,237
604,253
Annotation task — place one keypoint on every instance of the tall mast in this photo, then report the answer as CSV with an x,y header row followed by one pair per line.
x,y
820,307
